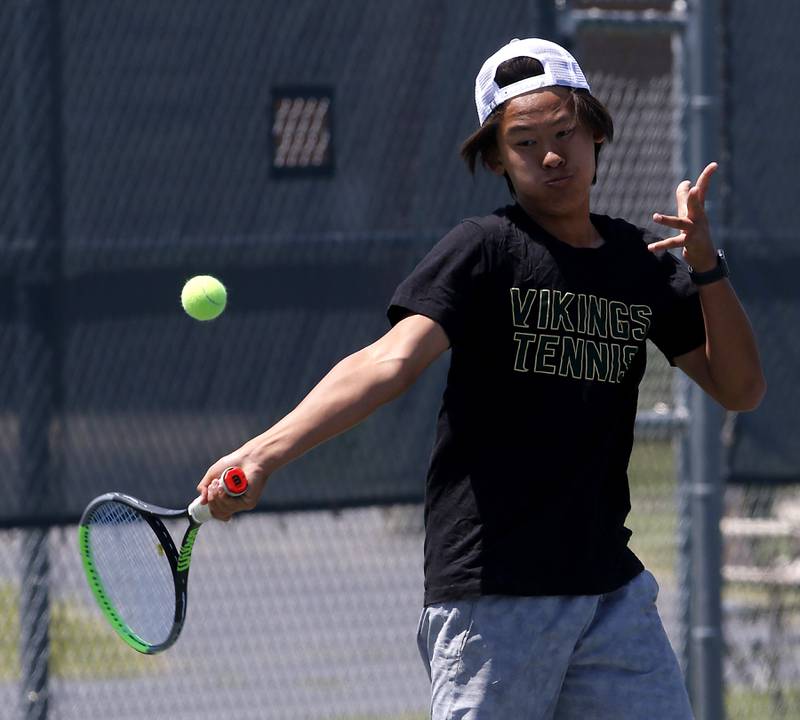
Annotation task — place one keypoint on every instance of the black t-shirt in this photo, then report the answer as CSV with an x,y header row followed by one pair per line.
x,y
527,491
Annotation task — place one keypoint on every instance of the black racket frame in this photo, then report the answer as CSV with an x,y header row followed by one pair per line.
x,y
178,559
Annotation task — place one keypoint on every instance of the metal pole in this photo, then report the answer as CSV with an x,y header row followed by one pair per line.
x,y
37,236
701,61
680,163
548,20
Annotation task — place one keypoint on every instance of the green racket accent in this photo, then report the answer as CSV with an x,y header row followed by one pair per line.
x,y
186,550
100,595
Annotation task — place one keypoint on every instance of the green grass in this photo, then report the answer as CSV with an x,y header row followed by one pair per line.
x,y
752,705
71,656
653,517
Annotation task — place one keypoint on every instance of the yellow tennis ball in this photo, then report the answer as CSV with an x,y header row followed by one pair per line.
x,y
204,297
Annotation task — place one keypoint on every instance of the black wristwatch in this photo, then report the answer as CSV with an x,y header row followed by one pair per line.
x,y
710,276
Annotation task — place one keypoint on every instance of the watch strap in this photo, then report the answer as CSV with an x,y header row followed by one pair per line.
x,y
710,276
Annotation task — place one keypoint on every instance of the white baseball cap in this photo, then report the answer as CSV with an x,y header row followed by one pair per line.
x,y
560,68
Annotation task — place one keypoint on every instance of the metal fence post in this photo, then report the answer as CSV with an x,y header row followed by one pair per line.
x,y
701,62
548,20
37,236
680,160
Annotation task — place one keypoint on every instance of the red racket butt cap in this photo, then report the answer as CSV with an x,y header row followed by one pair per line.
x,y
235,481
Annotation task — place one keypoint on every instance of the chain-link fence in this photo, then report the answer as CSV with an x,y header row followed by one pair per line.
x,y
162,140
761,527
761,524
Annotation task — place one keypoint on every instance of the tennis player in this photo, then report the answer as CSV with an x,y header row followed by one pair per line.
x,y
535,607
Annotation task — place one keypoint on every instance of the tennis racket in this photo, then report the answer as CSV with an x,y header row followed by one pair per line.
x,y
136,574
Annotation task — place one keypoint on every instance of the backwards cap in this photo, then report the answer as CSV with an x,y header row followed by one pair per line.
x,y
560,68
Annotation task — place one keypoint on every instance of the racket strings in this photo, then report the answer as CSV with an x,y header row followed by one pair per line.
x,y
133,570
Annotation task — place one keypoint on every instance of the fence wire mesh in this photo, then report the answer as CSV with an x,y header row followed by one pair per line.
x,y
761,528
159,148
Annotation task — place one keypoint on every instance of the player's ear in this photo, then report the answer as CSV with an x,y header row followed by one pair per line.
x,y
599,138
493,161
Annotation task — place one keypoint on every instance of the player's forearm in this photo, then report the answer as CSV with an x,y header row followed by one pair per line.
x,y
348,394
731,348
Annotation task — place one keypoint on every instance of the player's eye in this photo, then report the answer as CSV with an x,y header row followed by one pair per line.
x,y
526,143
565,133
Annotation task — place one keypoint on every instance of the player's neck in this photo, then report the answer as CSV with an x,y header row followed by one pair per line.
x,y
575,229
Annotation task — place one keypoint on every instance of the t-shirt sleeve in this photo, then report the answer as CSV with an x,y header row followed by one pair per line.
x,y
678,325
442,287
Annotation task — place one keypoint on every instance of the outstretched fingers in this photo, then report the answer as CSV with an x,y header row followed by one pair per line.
x,y
682,197
696,203
669,243
690,222
684,224
704,180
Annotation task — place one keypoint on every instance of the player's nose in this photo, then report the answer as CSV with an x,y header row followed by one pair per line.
x,y
552,160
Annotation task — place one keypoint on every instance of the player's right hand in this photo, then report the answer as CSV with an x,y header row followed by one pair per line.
x,y
222,505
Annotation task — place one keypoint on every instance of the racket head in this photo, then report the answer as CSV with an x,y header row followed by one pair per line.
x,y
134,570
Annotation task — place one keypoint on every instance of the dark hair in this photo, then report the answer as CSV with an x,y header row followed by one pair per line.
x,y
591,113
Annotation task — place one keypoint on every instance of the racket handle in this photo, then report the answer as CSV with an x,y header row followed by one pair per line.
x,y
234,481
198,512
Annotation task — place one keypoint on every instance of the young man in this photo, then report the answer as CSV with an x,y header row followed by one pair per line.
x,y
534,605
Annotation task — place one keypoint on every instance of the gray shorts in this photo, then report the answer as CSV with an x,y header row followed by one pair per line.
x,y
566,658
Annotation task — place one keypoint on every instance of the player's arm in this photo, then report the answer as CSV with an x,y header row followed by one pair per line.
x,y
350,392
727,367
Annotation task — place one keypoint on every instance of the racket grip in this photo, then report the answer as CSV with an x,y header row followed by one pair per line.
x,y
198,512
234,482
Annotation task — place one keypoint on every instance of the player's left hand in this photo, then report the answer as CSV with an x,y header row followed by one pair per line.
x,y
691,223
